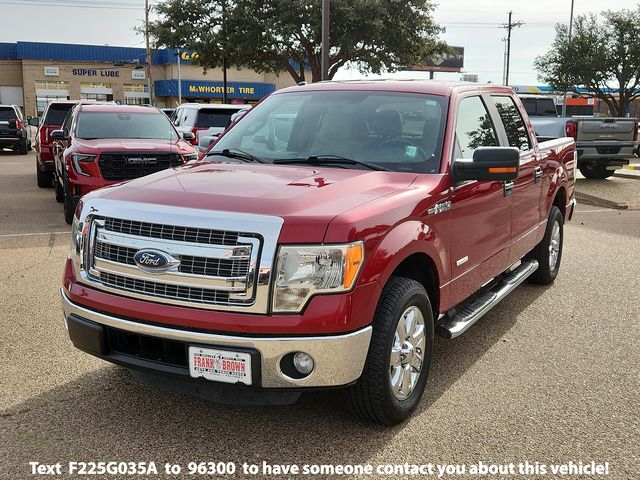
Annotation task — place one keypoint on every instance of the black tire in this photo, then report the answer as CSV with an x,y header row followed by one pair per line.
x,y
546,273
58,188
372,398
69,203
23,147
44,179
596,172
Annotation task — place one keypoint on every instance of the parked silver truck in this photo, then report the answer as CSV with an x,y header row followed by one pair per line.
x,y
603,144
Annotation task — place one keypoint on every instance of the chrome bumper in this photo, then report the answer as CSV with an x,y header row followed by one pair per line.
x,y
339,359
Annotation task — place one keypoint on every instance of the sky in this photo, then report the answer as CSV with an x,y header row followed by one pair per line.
x,y
472,24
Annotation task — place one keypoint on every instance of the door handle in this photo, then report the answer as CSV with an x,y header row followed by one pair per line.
x,y
538,173
508,188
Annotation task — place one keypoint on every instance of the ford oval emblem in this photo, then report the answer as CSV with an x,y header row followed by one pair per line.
x,y
154,261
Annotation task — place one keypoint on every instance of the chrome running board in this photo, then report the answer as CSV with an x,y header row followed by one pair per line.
x,y
452,326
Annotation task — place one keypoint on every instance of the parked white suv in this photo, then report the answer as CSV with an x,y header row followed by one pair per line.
x,y
204,120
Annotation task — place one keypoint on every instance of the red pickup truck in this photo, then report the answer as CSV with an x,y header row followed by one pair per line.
x,y
322,242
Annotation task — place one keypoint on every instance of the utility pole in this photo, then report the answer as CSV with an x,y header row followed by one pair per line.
x,y
326,7
564,102
504,62
148,62
509,26
224,54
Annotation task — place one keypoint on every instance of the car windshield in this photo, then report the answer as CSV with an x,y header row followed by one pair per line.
x,y
57,113
214,117
153,126
395,131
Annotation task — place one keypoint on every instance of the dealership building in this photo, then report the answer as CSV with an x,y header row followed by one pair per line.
x,y
32,74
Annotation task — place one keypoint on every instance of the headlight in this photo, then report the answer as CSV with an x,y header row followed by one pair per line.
x,y
79,158
307,270
190,158
79,231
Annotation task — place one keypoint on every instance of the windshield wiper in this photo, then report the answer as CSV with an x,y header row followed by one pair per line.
x,y
330,159
235,153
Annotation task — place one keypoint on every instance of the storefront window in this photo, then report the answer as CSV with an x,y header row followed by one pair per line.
x,y
101,92
136,94
50,91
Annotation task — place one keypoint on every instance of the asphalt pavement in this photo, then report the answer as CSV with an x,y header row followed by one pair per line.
x,y
551,375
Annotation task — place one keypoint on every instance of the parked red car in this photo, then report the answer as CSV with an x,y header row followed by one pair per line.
x,y
323,241
103,144
52,119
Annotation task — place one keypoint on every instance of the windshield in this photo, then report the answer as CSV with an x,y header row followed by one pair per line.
x,y
153,126
397,131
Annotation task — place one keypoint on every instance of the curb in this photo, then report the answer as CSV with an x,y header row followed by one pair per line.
x,y
632,176
600,202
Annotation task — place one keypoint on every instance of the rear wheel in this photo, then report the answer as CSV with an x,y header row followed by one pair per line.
x,y
43,178
596,171
548,252
23,147
69,202
395,372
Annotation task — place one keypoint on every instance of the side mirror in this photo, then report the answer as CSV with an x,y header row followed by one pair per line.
x,y
188,136
33,121
58,135
206,141
488,164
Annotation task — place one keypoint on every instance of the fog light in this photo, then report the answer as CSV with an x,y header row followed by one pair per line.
x,y
303,363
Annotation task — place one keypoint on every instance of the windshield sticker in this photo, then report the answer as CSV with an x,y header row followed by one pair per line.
x,y
410,151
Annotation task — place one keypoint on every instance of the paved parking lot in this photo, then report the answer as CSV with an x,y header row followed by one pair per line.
x,y
550,375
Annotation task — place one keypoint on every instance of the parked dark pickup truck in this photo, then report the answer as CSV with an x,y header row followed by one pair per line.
x,y
386,212
603,144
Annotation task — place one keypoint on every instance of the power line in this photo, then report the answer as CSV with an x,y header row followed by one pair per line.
x,y
92,5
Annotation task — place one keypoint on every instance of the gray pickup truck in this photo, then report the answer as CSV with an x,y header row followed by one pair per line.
x,y
603,144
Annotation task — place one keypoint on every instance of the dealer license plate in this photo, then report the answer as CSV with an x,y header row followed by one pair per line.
x,y
220,365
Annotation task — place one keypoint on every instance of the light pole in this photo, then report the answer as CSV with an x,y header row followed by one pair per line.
x,y
326,7
179,79
564,102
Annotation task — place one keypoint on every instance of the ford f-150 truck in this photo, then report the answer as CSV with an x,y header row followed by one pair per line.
x,y
384,212
604,144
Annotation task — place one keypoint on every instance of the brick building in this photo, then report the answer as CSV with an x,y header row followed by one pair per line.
x,y
32,74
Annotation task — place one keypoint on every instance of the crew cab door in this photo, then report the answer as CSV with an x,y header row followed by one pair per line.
x,y
526,189
480,210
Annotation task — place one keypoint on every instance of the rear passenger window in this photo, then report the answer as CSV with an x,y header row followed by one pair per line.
x,y
474,128
513,123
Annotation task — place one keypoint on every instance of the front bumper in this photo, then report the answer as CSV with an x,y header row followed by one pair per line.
x,y
339,359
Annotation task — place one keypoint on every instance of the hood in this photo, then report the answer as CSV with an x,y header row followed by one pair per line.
x,y
306,197
131,145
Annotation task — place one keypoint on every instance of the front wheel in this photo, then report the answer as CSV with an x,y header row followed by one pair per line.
x,y
548,252
395,372
596,172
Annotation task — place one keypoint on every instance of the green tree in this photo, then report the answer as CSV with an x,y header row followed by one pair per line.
x,y
602,56
285,35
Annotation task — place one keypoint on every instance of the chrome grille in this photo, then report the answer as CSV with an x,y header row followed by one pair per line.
x,y
172,232
216,267
163,290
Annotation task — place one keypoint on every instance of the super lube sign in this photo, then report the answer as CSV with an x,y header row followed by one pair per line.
x,y
88,72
